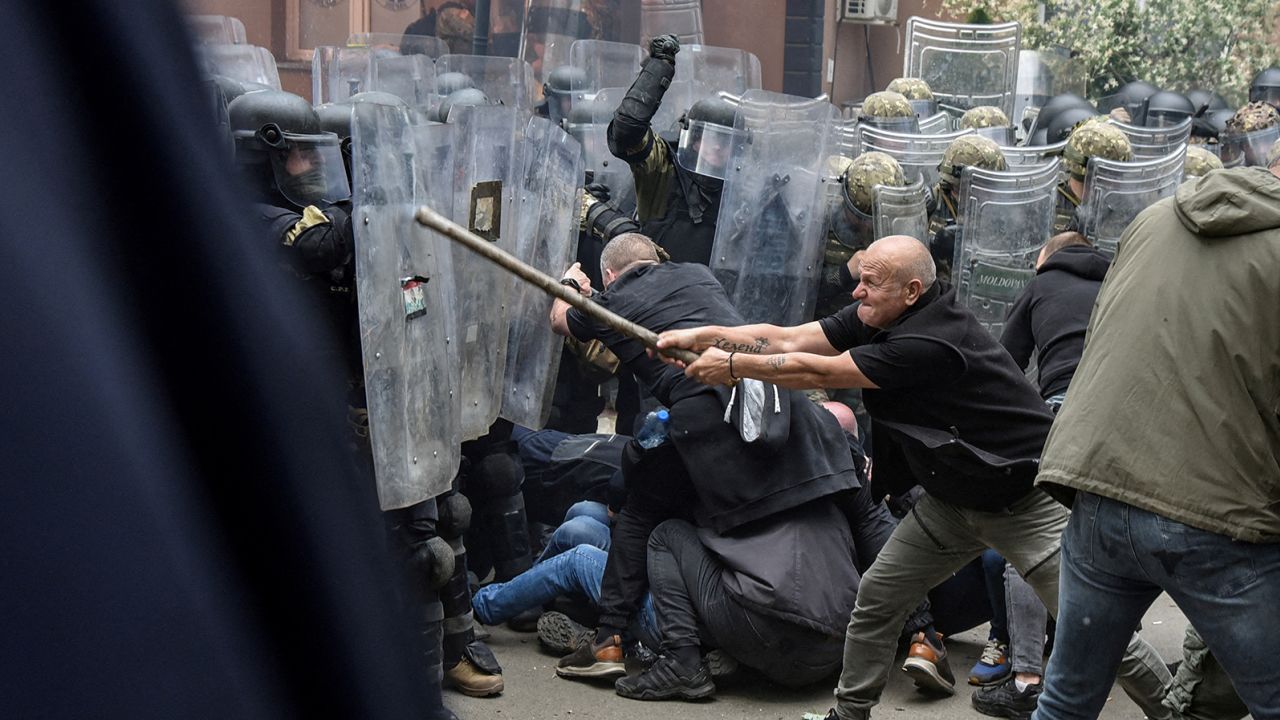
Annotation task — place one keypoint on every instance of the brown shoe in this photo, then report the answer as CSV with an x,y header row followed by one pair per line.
x,y
928,667
468,679
594,661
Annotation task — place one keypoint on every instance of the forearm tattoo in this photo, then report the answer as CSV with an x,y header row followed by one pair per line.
x,y
775,361
755,348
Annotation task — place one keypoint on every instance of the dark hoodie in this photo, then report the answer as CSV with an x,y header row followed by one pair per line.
x,y
1052,313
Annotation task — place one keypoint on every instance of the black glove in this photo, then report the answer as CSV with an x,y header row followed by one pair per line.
x,y
664,47
599,191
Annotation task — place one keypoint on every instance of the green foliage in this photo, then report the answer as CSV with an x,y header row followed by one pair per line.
x,y
1175,44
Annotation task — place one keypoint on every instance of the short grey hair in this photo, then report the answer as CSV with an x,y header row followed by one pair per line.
x,y
626,250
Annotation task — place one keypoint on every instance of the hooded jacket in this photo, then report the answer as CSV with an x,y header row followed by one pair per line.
x,y
1052,313
1175,406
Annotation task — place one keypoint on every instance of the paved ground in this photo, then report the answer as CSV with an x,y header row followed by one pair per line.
x,y
533,692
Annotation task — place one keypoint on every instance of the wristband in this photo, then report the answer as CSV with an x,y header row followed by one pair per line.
x,y
570,282
731,375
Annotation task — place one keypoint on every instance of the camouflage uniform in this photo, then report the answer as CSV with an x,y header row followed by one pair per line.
x,y
845,238
1200,161
1091,138
965,151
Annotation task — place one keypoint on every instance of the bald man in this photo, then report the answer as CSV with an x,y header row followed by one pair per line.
x,y
952,413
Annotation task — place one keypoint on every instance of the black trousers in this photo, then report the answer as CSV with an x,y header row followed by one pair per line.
x,y
694,609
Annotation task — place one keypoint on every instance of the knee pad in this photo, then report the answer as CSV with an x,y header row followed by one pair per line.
x,y
498,474
435,562
455,515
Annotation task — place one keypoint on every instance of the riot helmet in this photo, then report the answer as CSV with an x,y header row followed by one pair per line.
x,y
230,87
1130,96
1165,109
1093,140
1208,128
863,175
451,82
1038,132
335,118
284,152
968,151
1266,87
1199,162
918,93
989,121
460,98
561,85
1207,99
889,111
1062,124
707,137
582,117
1249,135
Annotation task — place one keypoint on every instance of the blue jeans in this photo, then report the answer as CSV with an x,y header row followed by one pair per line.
x,y
1116,559
586,523
576,571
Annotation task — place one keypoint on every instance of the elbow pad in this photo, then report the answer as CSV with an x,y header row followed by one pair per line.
x,y
605,222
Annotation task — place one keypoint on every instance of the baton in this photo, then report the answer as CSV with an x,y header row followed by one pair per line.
x,y
544,282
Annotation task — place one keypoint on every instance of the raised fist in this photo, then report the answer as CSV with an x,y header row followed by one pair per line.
x,y
664,47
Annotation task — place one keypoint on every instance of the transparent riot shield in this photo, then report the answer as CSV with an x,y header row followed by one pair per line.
x,y
504,80
550,28
682,18
1247,149
702,71
937,124
1007,218
337,73
600,162
1041,75
432,47
216,29
547,239
606,64
769,236
1115,192
487,163
1155,142
411,78
919,155
965,65
901,211
246,63
1028,155
406,293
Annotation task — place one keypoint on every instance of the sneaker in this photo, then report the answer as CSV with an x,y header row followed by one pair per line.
x,y
468,679
993,667
637,657
559,633
1005,700
594,661
721,664
928,667
667,680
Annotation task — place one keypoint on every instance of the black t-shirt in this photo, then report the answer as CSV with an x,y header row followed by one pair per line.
x,y
957,414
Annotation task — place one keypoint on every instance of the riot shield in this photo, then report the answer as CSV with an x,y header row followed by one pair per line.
x,y
503,80
405,293
1115,192
550,28
1155,142
1007,218
919,155
337,73
682,18
411,78
965,65
769,236
1041,75
600,162
1247,149
606,64
216,29
246,63
901,211
701,72
1028,155
486,165
547,239
937,124
432,47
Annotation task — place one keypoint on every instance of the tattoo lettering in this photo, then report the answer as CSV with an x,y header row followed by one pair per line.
x,y
753,349
775,361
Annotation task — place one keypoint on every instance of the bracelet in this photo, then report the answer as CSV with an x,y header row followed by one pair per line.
x,y
570,282
731,375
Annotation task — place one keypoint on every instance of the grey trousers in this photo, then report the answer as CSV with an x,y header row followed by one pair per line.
x,y
1027,617
928,546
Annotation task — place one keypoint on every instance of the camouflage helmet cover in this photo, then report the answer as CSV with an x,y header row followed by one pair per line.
x,y
1093,139
983,116
1200,161
1254,116
969,151
887,104
866,172
910,88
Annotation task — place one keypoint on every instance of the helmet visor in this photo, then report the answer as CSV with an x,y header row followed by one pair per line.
x,y
309,169
1164,118
705,148
1269,95
1248,149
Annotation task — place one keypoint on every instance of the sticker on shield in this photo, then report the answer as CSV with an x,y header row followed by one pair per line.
x,y
485,218
415,296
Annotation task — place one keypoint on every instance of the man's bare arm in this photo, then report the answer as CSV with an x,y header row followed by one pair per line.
x,y
796,370
761,339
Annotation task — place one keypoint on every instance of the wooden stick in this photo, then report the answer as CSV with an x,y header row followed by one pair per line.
x,y
544,282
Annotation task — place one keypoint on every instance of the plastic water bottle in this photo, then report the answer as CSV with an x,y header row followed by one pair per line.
x,y
654,431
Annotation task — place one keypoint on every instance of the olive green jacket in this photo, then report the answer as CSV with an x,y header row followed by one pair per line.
x,y
1175,406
